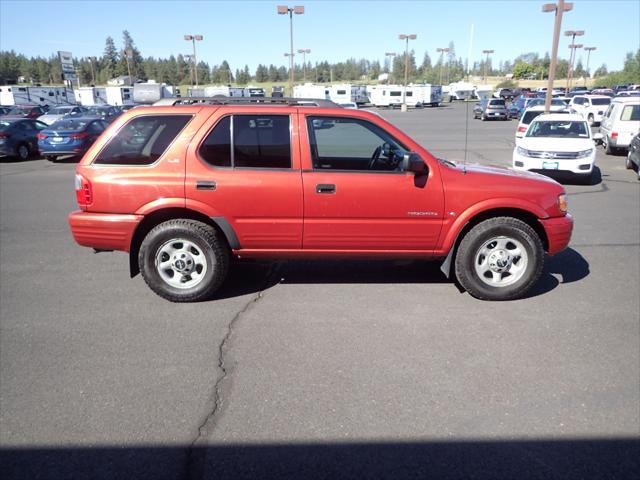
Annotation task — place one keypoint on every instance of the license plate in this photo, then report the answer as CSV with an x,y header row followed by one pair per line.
x,y
56,139
550,165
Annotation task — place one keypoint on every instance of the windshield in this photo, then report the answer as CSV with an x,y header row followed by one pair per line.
x,y
5,126
600,101
63,125
97,111
496,103
59,111
558,128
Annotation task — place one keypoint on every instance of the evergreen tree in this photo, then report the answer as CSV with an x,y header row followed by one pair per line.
x,y
109,61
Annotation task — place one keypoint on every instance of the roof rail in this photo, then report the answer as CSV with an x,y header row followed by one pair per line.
x,y
265,101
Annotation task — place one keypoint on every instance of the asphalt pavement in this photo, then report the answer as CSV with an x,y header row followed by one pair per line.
x,y
321,369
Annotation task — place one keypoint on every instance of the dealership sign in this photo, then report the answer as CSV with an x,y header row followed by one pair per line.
x,y
66,62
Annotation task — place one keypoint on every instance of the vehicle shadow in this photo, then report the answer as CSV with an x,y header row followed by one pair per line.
x,y
568,264
596,178
250,277
601,458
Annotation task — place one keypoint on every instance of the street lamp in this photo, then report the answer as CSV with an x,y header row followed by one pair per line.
x,y
93,74
589,50
442,51
304,52
406,38
558,9
189,58
283,10
391,56
193,38
128,55
488,52
573,34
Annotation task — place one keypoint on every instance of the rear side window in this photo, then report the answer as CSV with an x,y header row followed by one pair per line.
x,y
630,113
249,141
143,140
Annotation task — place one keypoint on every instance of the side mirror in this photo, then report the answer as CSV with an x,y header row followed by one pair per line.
x,y
412,162
597,138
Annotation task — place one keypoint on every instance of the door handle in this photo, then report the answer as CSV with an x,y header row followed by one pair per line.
x,y
325,188
205,185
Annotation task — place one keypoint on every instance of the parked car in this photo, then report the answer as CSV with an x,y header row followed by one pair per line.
x,y
26,111
4,110
591,107
491,108
70,136
520,104
531,113
105,112
559,145
56,113
18,137
620,123
628,93
555,102
633,156
126,108
603,91
505,94
349,105
171,185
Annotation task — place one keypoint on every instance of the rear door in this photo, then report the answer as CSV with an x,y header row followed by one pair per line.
x,y
355,195
245,171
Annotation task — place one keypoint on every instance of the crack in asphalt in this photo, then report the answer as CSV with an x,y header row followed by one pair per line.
x,y
196,458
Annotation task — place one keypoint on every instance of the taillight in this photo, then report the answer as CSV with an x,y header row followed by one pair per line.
x,y
522,128
4,135
614,134
78,136
41,136
84,193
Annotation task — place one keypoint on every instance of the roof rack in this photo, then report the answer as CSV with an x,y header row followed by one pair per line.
x,y
266,101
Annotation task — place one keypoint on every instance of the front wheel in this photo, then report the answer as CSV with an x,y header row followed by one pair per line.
x,y
499,259
23,152
183,260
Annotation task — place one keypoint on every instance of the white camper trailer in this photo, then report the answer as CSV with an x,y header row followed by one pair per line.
x,y
104,96
309,90
426,94
460,91
391,96
340,93
483,92
151,92
209,92
18,95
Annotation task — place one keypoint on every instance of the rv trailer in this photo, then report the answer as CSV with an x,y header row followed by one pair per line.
x,y
18,95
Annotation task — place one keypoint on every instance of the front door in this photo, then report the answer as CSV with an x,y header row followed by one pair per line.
x,y
356,195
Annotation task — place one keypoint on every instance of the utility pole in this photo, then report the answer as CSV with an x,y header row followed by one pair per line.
x,y
193,38
442,51
589,50
559,9
406,38
486,62
128,54
573,34
283,10
93,73
304,52
391,56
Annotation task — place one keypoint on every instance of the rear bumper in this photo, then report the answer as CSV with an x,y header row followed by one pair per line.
x,y
558,231
104,231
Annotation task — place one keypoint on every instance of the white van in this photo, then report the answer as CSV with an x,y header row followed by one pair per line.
x,y
620,123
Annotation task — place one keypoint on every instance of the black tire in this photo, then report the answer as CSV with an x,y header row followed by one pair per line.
x,y
608,149
483,118
590,120
22,152
482,233
51,158
206,238
628,163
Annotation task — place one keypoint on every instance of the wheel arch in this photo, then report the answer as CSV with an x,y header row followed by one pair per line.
x,y
521,214
150,221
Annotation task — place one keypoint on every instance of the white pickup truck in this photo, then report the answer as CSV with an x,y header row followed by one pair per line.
x,y
591,107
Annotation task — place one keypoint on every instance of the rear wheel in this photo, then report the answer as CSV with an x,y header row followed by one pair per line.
x,y
23,151
608,149
183,260
499,259
629,163
51,158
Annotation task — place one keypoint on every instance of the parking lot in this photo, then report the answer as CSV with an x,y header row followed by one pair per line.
x,y
324,369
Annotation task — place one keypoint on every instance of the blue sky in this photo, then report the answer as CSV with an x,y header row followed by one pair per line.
x,y
252,33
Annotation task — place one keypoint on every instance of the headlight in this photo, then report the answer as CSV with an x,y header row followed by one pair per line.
x,y
522,151
584,153
562,202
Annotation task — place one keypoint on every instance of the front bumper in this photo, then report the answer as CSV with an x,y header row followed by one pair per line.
x,y
558,230
578,166
103,231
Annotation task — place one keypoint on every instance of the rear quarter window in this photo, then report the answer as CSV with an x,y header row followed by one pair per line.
x,y
630,113
143,140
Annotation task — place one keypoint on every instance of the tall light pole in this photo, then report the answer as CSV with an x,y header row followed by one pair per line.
x,y
93,73
406,38
442,51
391,56
189,58
304,52
283,10
589,50
486,62
559,9
573,34
193,38
128,54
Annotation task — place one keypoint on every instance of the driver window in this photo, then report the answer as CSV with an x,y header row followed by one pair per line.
x,y
341,143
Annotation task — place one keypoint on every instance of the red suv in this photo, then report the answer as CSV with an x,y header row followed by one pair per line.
x,y
186,185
